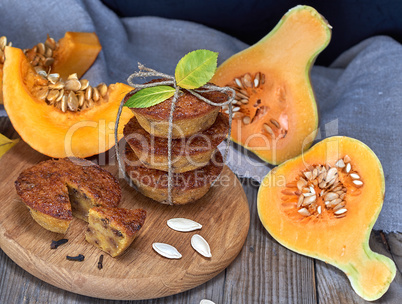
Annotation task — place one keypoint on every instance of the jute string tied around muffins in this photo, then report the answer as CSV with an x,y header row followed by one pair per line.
x,y
147,72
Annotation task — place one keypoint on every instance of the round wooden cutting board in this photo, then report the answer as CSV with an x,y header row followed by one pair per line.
x,y
140,273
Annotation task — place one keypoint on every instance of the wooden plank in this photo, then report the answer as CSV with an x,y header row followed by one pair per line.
x,y
267,272
333,283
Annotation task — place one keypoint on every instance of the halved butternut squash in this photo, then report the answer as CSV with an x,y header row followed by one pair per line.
x,y
276,115
324,203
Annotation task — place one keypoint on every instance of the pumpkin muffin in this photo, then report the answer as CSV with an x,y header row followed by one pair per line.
x,y
56,190
187,153
113,229
191,115
187,187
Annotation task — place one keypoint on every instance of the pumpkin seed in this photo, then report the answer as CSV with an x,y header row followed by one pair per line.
x,y
308,175
247,81
42,93
238,82
88,93
201,245
48,62
73,76
275,123
48,52
300,201
309,200
41,48
340,211
183,224
330,196
268,129
73,85
102,88
257,79
340,205
50,43
58,85
304,211
52,95
63,105
72,102
166,250
242,96
205,301
340,163
3,42
354,175
331,174
53,78
81,98
246,120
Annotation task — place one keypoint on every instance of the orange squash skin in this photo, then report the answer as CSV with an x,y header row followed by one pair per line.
x,y
47,129
342,242
285,56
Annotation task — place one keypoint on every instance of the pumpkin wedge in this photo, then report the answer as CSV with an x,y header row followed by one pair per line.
x,y
74,53
59,117
276,114
324,203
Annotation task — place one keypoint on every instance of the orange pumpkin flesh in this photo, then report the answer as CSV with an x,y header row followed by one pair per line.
x,y
339,240
75,53
49,130
284,58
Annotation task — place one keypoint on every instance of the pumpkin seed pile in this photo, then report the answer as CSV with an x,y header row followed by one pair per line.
x,y
244,86
71,95
42,53
320,188
3,44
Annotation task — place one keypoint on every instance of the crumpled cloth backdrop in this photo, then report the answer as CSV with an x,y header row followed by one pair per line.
x,y
359,95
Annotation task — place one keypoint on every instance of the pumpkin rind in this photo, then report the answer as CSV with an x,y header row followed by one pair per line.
x,y
49,130
285,57
342,242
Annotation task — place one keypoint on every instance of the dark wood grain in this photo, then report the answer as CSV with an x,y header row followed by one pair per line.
x,y
257,275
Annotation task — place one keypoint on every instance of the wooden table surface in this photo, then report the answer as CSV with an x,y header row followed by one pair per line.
x,y
264,272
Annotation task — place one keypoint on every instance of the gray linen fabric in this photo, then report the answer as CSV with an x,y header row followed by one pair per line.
x,y
359,95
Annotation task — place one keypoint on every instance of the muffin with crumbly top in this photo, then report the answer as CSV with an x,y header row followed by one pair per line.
x,y
113,229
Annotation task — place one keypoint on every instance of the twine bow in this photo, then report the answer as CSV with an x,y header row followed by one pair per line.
x,y
147,72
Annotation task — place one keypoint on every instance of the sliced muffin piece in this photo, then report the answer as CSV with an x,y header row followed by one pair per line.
x,y
113,229
191,115
187,186
56,190
187,153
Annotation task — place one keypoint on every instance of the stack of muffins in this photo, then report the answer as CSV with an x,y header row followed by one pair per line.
x,y
198,128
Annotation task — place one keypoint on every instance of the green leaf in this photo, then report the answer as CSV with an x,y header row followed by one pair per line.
x,y
149,97
196,68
